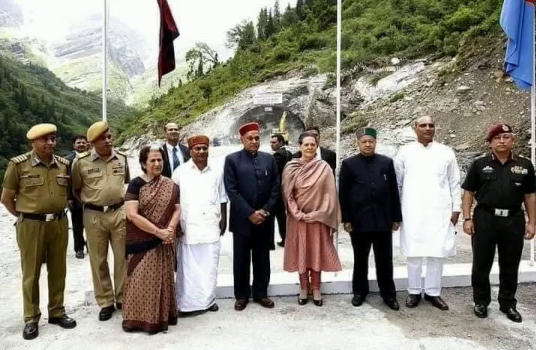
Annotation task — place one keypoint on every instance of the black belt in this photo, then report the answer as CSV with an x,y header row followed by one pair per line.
x,y
44,217
502,213
105,208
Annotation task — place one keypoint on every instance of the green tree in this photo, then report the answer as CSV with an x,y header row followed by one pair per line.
x,y
261,24
242,35
277,16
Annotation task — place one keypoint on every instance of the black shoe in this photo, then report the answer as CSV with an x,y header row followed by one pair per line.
x,y
241,304
106,313
481,311
512,314
80,254
437,302
302,301
358,300
63,321
281,244
31,331
392,303
265,302
413,300
119,306
213,308
318,302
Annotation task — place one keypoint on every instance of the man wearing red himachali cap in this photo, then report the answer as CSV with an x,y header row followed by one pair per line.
x,y
252,184
500,182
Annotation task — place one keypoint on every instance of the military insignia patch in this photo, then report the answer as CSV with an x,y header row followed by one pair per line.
x,y
487,170
519,170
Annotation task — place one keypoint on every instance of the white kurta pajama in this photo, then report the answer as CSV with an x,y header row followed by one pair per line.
x,y
429,184
201,196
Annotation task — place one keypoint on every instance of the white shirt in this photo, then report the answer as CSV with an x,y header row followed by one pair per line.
x,y
201,194
429,183
169,149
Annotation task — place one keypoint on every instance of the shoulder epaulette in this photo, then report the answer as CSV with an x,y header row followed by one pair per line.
x,y
21,158
83,155
62,160
122,153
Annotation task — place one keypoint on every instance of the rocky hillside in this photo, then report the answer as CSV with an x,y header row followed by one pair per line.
x,y
466,94
10,14
76,58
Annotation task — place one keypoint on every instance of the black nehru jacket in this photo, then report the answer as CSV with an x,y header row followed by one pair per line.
x,y
498,185
368,193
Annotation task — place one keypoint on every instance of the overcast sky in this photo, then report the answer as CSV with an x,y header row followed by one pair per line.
x,y
198,20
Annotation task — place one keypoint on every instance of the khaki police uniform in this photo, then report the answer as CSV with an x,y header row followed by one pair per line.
x,y
41,197
102,188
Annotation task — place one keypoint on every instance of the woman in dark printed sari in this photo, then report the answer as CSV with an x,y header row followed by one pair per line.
x,y
152,208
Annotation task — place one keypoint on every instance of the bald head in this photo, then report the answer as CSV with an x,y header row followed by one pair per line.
x,y
172,133
425,129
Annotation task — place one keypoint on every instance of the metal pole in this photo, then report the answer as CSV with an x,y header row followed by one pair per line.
x,y
105,60
532,126
339,36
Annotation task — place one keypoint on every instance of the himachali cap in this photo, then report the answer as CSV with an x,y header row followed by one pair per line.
x,y
248,127
39,130
498,129
366,131
198,140
96,130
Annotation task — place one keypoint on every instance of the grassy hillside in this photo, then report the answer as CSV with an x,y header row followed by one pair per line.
x,y
31,94
304,38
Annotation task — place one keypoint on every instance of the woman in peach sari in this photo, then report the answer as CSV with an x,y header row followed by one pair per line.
x,y
313,214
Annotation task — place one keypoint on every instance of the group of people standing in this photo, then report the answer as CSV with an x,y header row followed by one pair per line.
x,y
165,230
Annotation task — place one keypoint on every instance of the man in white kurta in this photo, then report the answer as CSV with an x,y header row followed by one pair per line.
x,y
203,220
429,183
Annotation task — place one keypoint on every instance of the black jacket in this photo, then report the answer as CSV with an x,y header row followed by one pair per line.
x,y
252,183
282,156
328,155
167,172
368,193
71,157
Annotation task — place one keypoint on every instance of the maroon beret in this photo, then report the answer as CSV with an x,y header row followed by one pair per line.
x,y
498,129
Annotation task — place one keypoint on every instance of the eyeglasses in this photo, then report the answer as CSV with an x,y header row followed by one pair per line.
x,y
253,138
429,125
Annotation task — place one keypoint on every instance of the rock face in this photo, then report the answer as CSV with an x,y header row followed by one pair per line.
x,y
10,14
77,58
303,100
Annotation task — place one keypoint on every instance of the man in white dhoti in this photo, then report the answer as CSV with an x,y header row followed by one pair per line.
x,y
429,183
203,220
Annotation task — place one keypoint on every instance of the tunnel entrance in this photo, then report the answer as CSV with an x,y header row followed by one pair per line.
x,y
268,118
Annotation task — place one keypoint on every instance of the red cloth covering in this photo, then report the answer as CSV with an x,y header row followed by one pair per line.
x,y
248,127
498,129
168,33
198,140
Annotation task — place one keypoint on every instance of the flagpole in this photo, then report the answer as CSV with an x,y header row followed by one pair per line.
x,y
532,125
339,37
105,60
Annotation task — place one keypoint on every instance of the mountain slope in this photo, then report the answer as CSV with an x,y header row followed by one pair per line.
x,y
302,40
31,94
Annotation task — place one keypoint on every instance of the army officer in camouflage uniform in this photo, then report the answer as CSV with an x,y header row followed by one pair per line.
x,y
98,179
35,191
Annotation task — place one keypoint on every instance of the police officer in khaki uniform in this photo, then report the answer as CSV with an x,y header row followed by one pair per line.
x,y
98,179
35,191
